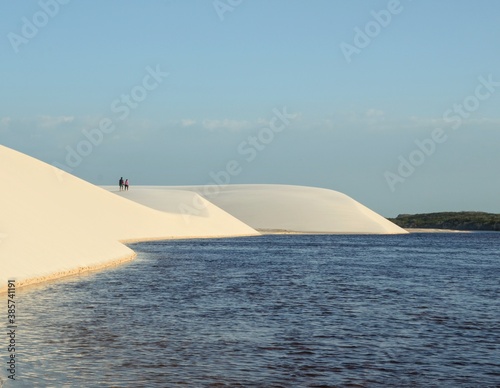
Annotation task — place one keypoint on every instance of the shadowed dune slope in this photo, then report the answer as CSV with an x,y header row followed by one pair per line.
x,y
275,207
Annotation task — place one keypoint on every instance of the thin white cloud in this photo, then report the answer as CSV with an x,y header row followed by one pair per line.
x,y
226,124
54,121
5,122
187,122
378,121
374,113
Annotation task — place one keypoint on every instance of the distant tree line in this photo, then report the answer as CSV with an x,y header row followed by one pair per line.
x,y
450,220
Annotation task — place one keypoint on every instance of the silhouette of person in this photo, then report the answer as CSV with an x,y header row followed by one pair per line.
x,y
126,184
120,182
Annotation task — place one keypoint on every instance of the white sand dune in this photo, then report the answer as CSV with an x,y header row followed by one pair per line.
x,y
53,224
274,207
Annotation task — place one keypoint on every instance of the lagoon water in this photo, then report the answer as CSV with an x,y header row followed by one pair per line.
x,y
272,311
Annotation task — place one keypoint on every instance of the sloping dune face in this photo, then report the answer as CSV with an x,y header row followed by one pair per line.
x,y
300,209
277,207
53,224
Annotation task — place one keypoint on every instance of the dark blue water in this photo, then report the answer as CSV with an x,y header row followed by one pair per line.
x,y
273,311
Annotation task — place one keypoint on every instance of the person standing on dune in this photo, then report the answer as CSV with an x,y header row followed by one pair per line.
x,y
126,184
120,183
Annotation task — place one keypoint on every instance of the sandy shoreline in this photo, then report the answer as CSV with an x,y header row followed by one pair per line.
x,y
101,266
116,262
423,230
72,272
292,232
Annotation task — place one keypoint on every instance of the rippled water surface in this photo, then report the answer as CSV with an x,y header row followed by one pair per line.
x,y
273,311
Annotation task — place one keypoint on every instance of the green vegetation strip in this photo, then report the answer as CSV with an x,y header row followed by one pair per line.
x,y
450,220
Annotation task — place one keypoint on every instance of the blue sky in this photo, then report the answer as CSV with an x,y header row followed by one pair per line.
x,y
367,81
